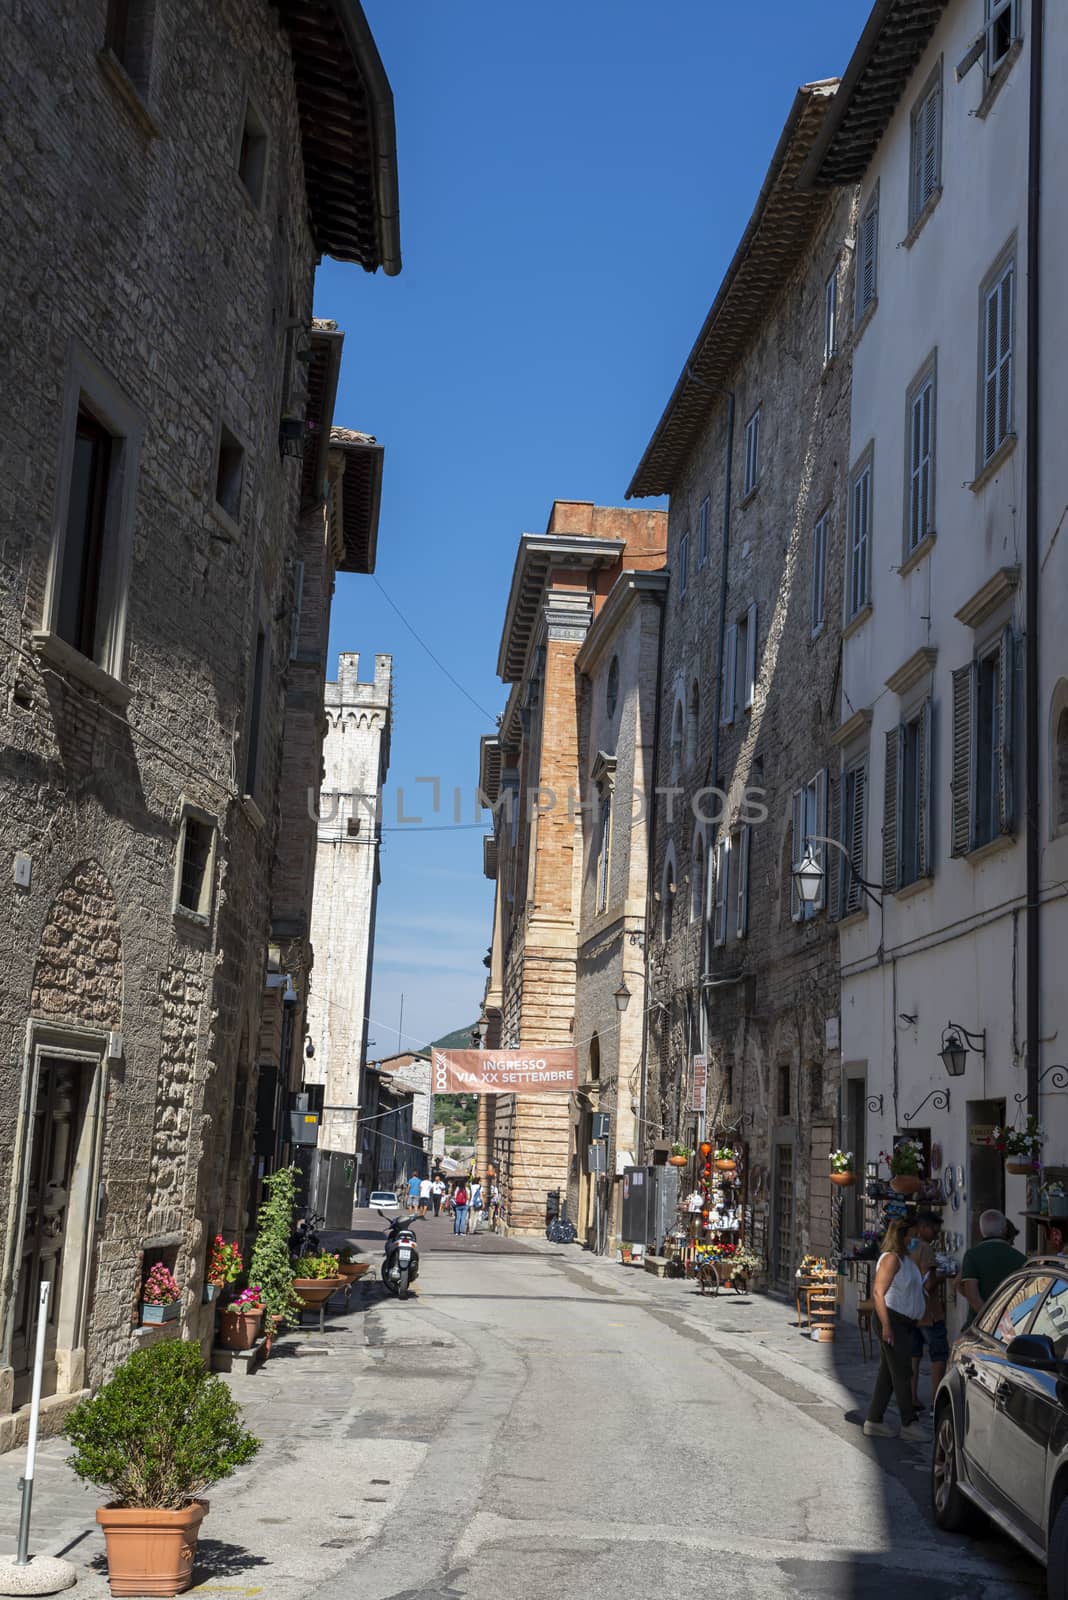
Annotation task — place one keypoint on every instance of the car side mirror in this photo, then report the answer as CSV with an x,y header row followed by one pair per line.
x,y
1033,1350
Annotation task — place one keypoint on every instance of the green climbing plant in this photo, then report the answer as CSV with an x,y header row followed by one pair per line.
x,y
270,1266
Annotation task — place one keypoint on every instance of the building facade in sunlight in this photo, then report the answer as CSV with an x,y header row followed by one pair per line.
x,y
536,772
753,450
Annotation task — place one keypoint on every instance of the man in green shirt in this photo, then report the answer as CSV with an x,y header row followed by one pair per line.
x,y
986,1265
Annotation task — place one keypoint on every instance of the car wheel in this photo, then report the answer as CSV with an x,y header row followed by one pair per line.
x,y
953,1511
1057,1555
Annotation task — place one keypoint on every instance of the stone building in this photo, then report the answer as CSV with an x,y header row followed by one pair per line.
x,y
531,774
355,763
396,1129
753,450
168,188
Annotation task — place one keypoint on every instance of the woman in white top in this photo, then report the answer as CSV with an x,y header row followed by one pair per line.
x,y
899,1304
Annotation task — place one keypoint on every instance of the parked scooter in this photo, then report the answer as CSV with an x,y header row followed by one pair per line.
x,y
401,1264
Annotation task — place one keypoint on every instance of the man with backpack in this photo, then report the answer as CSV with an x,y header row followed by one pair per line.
x,y
477,1205
460,1201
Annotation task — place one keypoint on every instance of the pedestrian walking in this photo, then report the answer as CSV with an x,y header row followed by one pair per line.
x,y
460,1199
987,1264
930,1331
900,1303
437,1191
413,1192
477,1206
495,1204
424,1196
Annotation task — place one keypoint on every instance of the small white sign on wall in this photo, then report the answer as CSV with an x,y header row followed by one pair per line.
x,y
833,1032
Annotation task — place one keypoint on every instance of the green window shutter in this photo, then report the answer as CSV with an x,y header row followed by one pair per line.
x,y
963,780
892,810
923,818
1006,664
858,827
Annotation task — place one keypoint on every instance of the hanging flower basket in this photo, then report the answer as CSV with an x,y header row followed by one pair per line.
x,y
1020,1169
904,1183
843,1180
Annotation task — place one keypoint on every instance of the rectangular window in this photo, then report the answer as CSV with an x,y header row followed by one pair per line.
x,y
907,802
859,584
747,657
229,474
728,691
925,169
740,844
252,155
684,563
752,453
868,255
819,571
196,850
255,716
982,787
128,35
702,533
783,1099
604,851
920,464
1002,31
78,618
723,872
996,410
830,316
809,830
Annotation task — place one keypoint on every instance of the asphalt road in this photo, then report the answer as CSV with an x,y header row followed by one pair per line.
x,y
575,1439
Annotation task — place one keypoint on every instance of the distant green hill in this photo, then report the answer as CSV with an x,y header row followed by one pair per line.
x,y
459,1112
458,1040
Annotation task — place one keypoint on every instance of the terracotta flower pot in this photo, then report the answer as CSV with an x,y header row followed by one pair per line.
x,y
906,1183
315,1292
239,1330
726,1166
1019,1169
150,1551
844,1180
677,1161
351,1270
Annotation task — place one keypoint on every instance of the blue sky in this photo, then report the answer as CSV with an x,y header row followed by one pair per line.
x,y
573,182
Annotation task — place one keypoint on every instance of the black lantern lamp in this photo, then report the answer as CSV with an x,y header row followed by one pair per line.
x,y
956,1042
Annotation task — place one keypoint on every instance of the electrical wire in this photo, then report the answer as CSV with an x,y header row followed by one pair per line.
x,y
492,716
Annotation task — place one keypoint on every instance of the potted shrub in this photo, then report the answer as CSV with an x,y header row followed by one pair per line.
x,y
225,1266
239,1322
316,1278
680,1155
154,1437
1021,1147
725,1161
905,1161
270,1267
348,1266
161,1298
842,1174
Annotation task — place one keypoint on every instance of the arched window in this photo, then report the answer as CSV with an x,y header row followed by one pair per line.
x,y
697,879
693,714
595,1059
676,742
611,694
668,896
1060,809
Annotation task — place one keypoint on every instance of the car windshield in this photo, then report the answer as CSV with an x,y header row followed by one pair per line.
x,y
384,1200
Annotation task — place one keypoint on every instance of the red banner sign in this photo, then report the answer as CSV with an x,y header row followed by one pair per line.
x,y
521,1071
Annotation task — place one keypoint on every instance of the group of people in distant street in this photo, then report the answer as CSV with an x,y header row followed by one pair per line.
x,y
470,1202
910,1306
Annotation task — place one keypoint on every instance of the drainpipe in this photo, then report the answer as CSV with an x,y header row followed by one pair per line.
x,y
650,878
1031,667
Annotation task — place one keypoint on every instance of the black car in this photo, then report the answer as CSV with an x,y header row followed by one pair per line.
x,y
1001,1420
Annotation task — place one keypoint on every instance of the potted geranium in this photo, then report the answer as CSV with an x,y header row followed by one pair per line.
x,y
239,1322
154,1437
160,1296
1021,1147
906,1165
224,1266
842,1174
725,1159
270,1266
680,1155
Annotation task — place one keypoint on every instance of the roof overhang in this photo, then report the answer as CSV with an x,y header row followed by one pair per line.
x,y
348,133
324,367
628,589
895,36
361,497
539,555
780,227
489,855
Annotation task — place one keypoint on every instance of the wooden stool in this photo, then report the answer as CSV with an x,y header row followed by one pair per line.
x,y
865,1327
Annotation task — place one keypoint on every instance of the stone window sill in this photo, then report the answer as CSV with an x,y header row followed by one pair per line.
x,y
855,624
127,91
982,852
862,323
922,550
195,919
995,84
748,498
996,462
908,891
854,919
231,529
63,656
921,221
253,812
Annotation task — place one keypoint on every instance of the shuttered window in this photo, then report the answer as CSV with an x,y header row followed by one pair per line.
x,y
684,563
809,827
740,843
748,631
859,586
752,453
702,533
723,873
983,782
830,317
926,146
854,835
996,415
868,256
920,466
819,571
907,802
1002,29
730,663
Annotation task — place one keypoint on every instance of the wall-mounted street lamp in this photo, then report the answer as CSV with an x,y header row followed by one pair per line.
x,y
956,1042
810,874
622,997
476,1037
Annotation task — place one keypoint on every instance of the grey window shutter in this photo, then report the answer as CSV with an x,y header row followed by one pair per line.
x,y
750,655
963,767
892,810
836,867
820,830
869,235
796,848
730,662
719,927
932,138
1006,796
741,871
858,822
923,817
